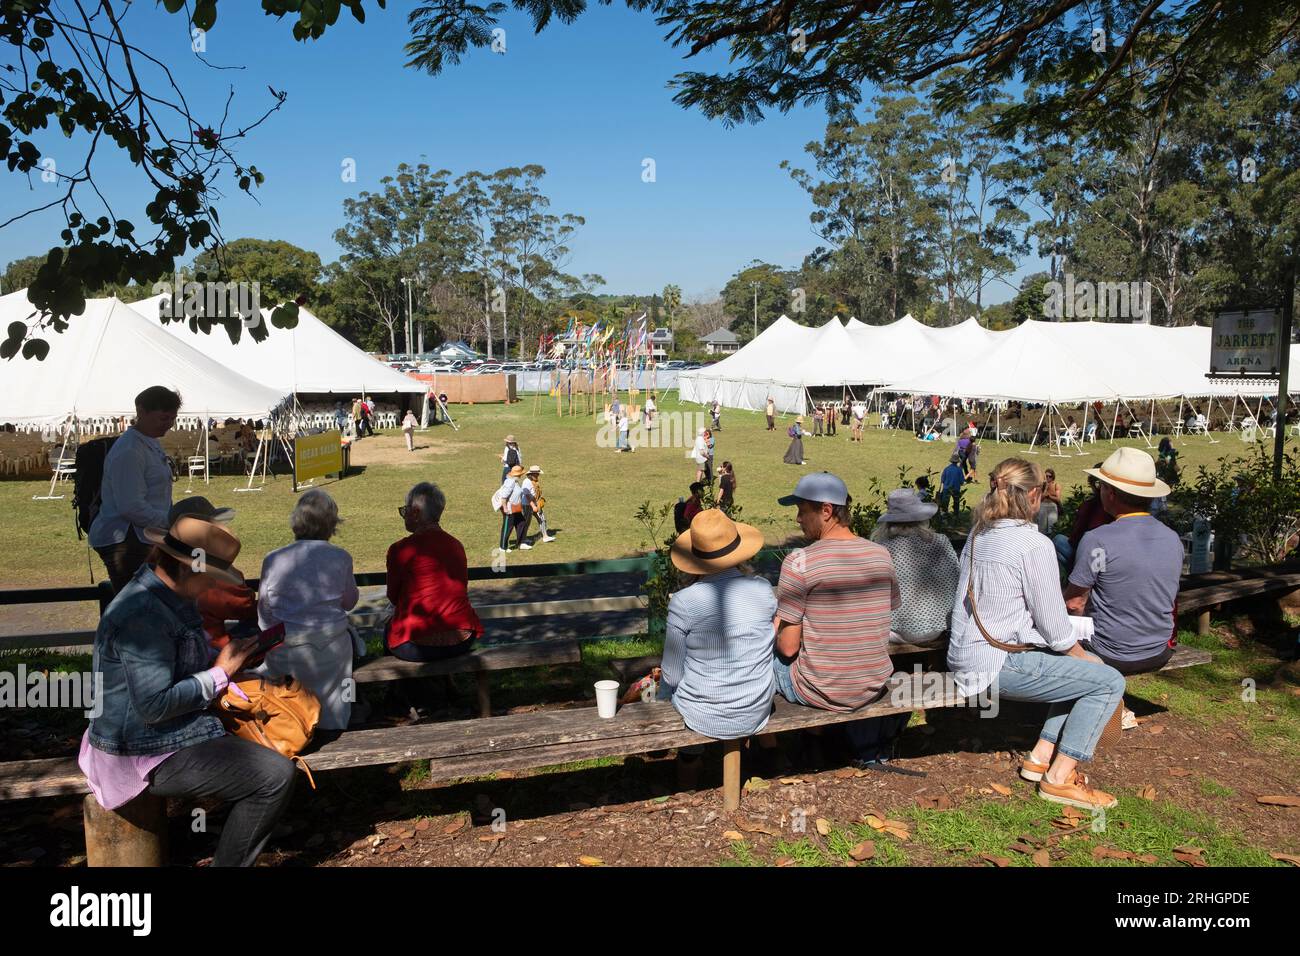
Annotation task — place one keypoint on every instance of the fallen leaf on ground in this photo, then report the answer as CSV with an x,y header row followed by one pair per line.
x,y
789,780
733,836
863,851
756,783
1024,848
941,802
1110,853
1041,858
1278,800
749,826
424,824
1147,793
454,826
590,861
844,773
1156,729
1000,788
998,861
1030,840
1286,858
784,861
1074,813
491,837
873,821
1180,772
896,829
1191,855
823,826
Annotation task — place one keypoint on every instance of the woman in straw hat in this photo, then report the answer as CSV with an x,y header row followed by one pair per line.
x,y
794,454
717,663
1010,632
154,730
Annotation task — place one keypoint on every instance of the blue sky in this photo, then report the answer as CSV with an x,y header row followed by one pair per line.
x,y
589,102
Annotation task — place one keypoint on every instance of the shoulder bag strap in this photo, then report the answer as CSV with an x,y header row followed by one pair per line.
x,y
970,596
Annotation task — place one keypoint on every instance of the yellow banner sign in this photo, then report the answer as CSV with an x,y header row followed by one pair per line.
x,y
316,456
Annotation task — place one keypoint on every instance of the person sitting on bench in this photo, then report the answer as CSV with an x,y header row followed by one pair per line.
x,y
1126,573
717,662
1010,632
309,587
428,585
834,601
925,566
1090,514
156,731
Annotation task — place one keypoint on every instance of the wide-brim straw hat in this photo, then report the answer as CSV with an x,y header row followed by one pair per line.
x,y
904,506
207,547
517,471
535,470
1131,470
510,440
715,543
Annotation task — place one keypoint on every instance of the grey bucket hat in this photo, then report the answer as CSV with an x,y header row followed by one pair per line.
x,y
903,506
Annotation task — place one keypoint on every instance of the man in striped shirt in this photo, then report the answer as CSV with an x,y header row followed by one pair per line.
x,y
835,599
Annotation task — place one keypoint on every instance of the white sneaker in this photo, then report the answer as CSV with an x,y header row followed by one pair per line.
x,y
549,537
525,547
1129,720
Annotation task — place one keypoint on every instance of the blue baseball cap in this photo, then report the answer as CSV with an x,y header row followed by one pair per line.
x,y
820,486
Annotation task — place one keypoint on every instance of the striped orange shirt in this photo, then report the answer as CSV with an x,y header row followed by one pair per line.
x,y
843,592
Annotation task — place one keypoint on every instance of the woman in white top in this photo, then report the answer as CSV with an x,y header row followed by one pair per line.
x,y
408,429
309,587
1011,633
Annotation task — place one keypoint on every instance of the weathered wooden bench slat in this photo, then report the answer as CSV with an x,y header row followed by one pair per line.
x,y
483,658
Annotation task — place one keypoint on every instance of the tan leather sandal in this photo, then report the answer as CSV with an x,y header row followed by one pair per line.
x,y
1031,769
1075,792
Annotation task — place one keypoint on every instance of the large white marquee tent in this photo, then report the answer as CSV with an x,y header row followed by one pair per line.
x,y
310,358
106,357
1038,362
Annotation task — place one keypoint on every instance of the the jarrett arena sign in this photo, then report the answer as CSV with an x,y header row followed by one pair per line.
x,y
1246,343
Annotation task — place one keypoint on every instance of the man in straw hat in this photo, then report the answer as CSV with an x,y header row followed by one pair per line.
x,y
835,601
156,731
717,668
1126,573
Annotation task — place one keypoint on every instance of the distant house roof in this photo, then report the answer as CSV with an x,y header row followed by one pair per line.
x,y
720,337
661,334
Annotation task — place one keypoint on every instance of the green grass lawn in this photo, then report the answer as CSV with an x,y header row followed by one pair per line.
x,y
592,493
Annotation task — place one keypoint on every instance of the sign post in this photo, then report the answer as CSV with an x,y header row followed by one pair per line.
x,y
315,456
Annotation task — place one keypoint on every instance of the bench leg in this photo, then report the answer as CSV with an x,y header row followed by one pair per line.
x,y
484,694
131,835
1203,622
731,774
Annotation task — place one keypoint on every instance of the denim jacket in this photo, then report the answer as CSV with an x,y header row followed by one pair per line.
x,y
153,655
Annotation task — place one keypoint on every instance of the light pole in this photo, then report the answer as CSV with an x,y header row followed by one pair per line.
x,y
407,282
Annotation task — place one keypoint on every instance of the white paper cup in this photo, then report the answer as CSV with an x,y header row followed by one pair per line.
x,y
606,697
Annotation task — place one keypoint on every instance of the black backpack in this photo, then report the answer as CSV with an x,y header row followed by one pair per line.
x,y
85,484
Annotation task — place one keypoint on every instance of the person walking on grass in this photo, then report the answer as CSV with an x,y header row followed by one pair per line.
x,y
794,454
510,457
533,500
770,411
700,453
727,487
509,501
408,429
817,420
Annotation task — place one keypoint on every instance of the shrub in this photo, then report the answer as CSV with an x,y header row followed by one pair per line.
x,y
1246,506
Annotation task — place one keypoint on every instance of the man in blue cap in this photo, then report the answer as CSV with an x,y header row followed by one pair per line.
x,y
835,601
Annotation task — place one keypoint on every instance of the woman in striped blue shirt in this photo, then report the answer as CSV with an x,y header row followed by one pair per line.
x,y
1011,633
717,664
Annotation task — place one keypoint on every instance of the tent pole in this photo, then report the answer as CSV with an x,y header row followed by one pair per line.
x,y
1114,421
55,477
1033,441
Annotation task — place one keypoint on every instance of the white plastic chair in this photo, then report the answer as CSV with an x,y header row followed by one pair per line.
x,y
196,465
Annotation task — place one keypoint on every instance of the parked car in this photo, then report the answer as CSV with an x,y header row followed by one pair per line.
x,y
489,369
512,366
691,366
674,364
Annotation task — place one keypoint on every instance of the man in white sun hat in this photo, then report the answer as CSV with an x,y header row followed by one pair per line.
x,y
1126,573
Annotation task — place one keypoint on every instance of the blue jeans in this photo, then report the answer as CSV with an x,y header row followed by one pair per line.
x,y
1064,552
785,682
1083,695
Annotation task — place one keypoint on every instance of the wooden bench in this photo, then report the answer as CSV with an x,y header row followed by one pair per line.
x,y
480,662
